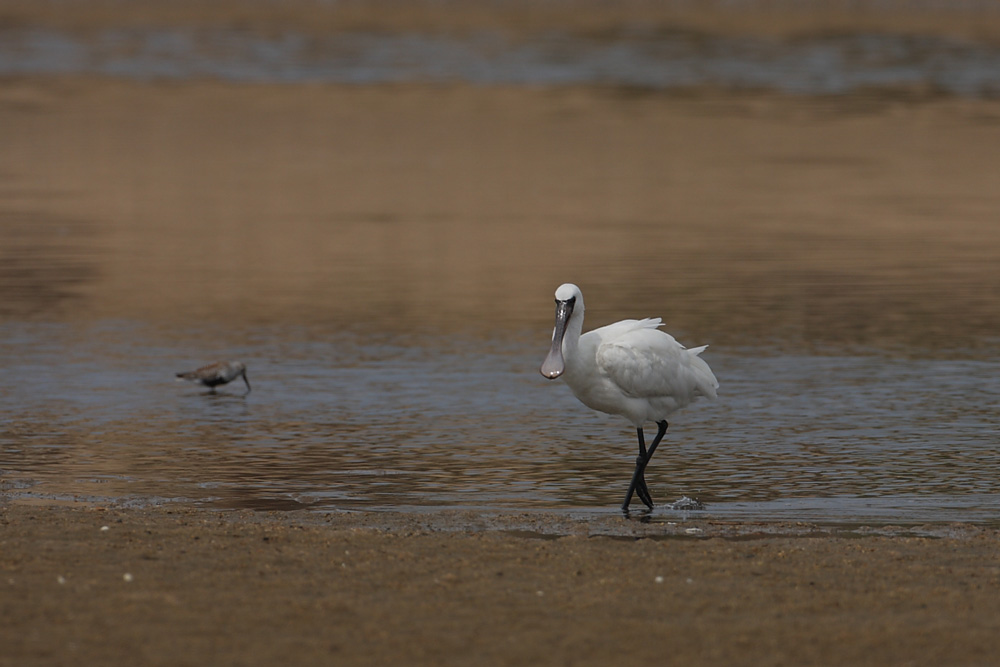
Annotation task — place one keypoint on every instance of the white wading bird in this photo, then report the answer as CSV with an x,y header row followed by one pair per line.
x,y
629,368
221,372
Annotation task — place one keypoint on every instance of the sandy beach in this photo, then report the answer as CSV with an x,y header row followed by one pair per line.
x,y
250,193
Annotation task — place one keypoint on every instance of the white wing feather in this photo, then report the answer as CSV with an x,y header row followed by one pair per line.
x,y
647,363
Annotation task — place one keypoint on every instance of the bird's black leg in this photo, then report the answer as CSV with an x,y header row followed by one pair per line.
x,y
661,430
638,483
641,489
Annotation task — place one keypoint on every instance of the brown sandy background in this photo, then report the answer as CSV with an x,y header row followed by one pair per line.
x,y
785,18
853,221
791,195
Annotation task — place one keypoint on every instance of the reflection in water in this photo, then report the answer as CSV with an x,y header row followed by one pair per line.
x,y
349,425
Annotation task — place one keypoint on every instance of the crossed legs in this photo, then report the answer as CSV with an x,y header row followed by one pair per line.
x,y
638,484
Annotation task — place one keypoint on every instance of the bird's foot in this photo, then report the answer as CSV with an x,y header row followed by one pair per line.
x,y
642,491
642,515
638,486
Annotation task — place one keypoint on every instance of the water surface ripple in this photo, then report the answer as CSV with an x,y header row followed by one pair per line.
x,y
340,424
642,58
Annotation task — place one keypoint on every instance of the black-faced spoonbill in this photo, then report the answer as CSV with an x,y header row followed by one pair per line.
x,y
221,372
629,368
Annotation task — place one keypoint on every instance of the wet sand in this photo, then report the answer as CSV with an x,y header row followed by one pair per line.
x,y
181,586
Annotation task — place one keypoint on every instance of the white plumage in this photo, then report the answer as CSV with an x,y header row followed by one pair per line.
x,y
629,368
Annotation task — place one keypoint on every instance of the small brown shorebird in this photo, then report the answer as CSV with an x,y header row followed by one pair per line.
x,y
221,372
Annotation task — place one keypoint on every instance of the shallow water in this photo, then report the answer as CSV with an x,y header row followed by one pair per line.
x,y
818,64
340,423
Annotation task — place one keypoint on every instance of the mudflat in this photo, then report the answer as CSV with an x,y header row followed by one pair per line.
x,y
89,585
